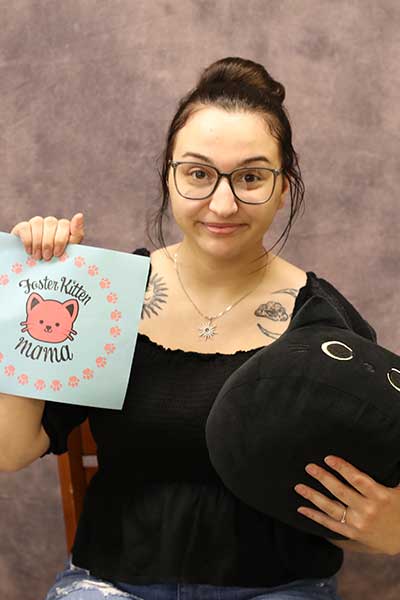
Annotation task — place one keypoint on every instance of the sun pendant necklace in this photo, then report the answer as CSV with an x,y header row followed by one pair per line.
x,y
208,329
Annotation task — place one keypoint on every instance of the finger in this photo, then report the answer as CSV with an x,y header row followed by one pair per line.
x,y
36,224
340,490
77,229
61,236
326,521
23,231
362,482
15,229
330,507
49,230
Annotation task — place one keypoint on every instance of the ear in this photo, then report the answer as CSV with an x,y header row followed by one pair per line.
x,y
317,310
285,189
72,307
32,301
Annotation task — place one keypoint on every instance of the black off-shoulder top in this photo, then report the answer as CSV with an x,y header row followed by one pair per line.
x,y
156,511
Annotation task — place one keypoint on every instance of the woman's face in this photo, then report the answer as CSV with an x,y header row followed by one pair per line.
x,y
226,139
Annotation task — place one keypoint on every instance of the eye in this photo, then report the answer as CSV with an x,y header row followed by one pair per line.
x,y
199,171
394,378
337,350
250,174
41,321
57,324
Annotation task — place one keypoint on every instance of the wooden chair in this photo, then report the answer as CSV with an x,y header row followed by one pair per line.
x,y
76,468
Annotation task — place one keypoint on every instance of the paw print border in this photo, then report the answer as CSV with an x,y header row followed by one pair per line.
x,y
74,380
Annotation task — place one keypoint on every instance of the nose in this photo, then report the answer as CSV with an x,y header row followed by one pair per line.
x,y
48,327
223,201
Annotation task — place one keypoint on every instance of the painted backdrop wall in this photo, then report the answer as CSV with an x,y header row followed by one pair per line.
x,y
87,91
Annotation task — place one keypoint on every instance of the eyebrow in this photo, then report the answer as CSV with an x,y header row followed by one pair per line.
x,y
243,162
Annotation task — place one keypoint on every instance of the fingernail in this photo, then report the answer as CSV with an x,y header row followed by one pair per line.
x,y
311,469
47,254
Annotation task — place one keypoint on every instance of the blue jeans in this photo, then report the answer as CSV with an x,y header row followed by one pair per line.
x,y
75,583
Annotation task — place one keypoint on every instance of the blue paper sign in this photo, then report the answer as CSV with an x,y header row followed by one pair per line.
x,y
68,326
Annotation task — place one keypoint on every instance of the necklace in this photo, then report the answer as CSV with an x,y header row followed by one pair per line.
x,y
208,329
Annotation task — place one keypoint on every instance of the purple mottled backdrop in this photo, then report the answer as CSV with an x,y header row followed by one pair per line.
x,y
87,91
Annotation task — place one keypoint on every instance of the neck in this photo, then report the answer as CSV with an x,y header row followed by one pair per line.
x,y
227,275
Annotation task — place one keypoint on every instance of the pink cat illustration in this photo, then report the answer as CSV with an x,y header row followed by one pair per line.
x,y
50,320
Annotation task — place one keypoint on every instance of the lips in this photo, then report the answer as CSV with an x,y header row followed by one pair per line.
x,y
223,224
222,230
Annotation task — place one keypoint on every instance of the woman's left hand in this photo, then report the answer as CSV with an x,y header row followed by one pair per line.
x,y
373,510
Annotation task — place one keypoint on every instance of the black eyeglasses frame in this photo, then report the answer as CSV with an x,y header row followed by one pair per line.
x,y
175,163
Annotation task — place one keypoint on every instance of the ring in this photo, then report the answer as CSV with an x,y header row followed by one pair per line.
x,y
343,519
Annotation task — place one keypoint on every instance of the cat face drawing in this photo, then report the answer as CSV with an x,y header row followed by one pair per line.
x,y
50,320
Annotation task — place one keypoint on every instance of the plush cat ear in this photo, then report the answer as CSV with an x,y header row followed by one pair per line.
x,y
317,310
32,301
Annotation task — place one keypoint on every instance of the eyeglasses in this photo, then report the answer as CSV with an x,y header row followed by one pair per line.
x,y
251,185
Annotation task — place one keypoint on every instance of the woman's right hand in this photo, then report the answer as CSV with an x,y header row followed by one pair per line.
x,y
48,236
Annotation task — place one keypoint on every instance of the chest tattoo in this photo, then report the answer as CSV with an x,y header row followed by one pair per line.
x,y
156,295
274,311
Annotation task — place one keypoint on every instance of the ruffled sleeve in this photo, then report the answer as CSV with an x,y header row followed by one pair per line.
x,y
58,420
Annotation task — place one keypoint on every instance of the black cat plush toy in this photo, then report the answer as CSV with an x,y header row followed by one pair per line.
x,y
319,389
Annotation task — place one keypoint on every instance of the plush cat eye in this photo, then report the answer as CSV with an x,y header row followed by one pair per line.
x,y
339,351
394,378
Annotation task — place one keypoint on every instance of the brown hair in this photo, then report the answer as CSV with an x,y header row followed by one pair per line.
x,y
235,84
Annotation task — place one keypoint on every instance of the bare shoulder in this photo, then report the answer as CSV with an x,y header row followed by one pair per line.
x,y
288,275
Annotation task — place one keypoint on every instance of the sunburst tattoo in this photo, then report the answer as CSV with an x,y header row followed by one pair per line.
x,y
274,311
156,294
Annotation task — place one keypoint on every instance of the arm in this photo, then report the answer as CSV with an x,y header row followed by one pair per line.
x,y
352,546
22,439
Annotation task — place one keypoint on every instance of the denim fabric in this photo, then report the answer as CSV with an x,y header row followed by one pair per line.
x,y
74,583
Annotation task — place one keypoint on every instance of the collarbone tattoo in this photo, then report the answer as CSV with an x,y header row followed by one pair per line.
x,y
275,311
156,295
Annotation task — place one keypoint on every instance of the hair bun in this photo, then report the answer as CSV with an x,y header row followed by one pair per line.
x,y
241,72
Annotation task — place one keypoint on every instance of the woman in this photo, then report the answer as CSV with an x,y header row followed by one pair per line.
x,y
158,522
